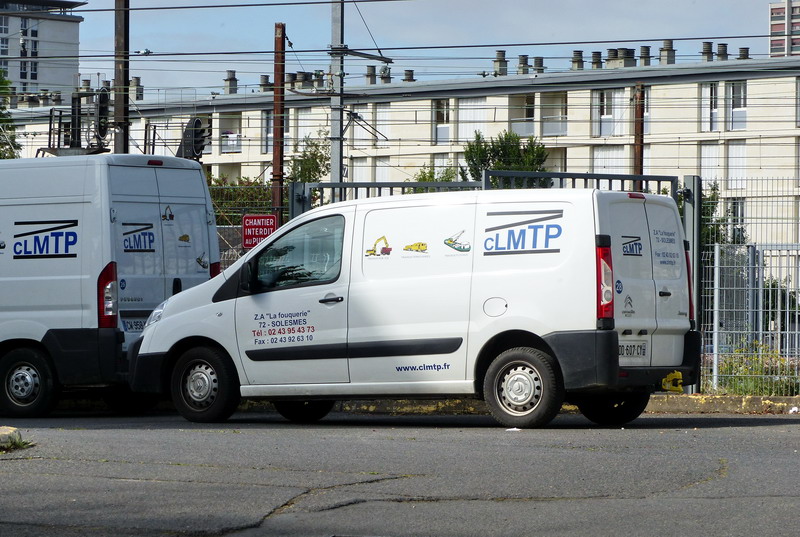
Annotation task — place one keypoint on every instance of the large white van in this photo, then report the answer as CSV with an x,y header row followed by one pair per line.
x,y
526,298
88,247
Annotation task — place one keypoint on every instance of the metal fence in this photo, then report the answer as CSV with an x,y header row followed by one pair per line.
x,y
750,274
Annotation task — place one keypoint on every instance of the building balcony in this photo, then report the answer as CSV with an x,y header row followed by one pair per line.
x,y
230,142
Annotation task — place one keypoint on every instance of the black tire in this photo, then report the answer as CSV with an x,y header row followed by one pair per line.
x,y
121,400
29,389
614,408
303,411
205,385
522,388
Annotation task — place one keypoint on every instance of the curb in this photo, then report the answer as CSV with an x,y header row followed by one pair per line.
x,y
659,404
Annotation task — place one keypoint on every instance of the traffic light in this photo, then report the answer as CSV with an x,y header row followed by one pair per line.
x,y
101,112
195,139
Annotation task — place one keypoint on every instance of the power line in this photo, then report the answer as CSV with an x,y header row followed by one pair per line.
x,y
217,6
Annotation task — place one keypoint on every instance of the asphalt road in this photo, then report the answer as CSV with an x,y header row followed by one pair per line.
x,y
372,475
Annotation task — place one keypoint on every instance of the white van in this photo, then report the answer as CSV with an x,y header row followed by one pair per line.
x,y
526,298
88,247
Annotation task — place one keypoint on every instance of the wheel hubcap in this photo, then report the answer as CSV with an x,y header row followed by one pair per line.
x,y
520,388
201,385
24,384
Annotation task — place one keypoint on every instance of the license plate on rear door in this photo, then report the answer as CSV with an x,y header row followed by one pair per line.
x,y
633,350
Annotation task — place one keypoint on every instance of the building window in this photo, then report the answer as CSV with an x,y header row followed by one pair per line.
x,y
359,121
33,49
736,164
306,126
34,72
382,169
382,124
709,107
609,159
737,105
4,68
522,115
737,218
360,170
3,46
554,113
710,168
440,109
3,24
23,70
608,109
471,118
266,131
29,27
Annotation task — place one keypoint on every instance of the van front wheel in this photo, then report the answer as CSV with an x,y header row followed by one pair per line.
x,y
522,389
29,386
205,385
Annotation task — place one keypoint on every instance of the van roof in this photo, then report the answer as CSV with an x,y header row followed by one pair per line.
x,y
472,196
108,159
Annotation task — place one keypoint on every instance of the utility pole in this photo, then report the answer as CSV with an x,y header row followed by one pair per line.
x,y
337,99
278,117
638,134
122,18
338,51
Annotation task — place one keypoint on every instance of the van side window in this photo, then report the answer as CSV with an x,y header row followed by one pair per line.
x,y
308,255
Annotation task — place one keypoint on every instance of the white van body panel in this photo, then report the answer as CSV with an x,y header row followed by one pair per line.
x,y
63,220
431,287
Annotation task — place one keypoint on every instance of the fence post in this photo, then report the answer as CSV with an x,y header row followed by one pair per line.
x,y
715,329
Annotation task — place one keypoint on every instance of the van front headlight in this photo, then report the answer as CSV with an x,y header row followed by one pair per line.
x,y
155,315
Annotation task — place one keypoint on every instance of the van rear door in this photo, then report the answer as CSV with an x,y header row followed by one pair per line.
x,y
162,226
634,301
138,244
185,224
671,281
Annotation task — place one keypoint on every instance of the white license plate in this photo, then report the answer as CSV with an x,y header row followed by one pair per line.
x,y
633,349
133,325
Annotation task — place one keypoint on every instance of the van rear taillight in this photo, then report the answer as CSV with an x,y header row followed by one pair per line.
x,y
153,162
107,297
605,283
214,269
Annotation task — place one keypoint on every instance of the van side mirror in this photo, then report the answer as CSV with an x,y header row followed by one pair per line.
x,y
246,277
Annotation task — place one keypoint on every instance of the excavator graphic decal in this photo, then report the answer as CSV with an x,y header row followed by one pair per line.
x,y
385,249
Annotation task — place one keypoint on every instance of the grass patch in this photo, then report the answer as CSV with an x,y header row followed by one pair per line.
x,y
15,442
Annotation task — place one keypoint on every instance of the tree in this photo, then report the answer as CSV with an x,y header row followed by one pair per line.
x,y
9,148
506,152
314,161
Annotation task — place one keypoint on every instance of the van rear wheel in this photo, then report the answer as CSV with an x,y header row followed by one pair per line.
x,y
522,388
205,385
303,411
614,408
29,386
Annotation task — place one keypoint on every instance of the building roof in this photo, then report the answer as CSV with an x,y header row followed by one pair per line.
x,y
43,4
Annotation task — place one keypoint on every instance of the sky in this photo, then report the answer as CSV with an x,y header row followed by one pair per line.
x,y
531,27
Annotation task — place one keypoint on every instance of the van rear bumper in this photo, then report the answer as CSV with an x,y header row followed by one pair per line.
x,y
590,361
84,356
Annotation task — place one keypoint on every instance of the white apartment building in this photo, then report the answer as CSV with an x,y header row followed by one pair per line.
x,y
729,119
39,44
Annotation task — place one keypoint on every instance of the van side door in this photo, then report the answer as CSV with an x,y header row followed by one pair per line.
x,y
291,325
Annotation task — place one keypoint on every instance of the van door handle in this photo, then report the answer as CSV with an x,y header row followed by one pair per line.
x,y
664,293
332,299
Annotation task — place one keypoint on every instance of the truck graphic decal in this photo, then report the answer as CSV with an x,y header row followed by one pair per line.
x,y
526,236
49,242
140,239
